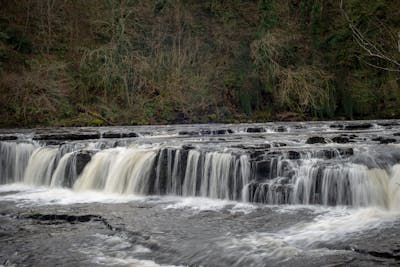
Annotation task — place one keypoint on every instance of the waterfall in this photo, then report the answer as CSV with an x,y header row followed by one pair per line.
x,y
165,171
65,173
130,172
13,161
394,188
191,174
96,171
347,184
307,176
118,170
41,166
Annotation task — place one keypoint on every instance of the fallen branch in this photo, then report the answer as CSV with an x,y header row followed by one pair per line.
x,y
96,115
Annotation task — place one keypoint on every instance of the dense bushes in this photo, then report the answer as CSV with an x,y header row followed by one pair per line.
x,y
173,61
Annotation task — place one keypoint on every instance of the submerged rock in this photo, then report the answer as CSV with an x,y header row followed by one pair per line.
x,y
278,144
255,154
293,155
206,132
316,140
255,130
341,139
188,147
362,126
384,140
352,126
280,129
346,151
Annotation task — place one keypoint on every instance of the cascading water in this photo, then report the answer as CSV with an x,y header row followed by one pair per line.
x,y
164,171
14,160
254,172
394,188
40,166
327,190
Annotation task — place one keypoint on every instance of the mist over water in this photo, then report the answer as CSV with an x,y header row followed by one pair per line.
x,y
212,195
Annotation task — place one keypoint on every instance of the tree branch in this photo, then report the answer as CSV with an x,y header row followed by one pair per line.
x,y
369,47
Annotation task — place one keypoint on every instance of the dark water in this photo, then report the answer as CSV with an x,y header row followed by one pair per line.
x,y
294,194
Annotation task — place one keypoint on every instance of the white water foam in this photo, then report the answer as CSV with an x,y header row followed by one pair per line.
x,y
26,195
116,251
41,196
199,204
336,224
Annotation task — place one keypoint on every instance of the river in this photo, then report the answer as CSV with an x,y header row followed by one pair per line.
x,y
272,194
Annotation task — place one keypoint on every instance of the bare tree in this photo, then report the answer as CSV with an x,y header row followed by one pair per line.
x,y
371,48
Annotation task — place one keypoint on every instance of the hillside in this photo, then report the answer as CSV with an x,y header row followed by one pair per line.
x,y
79,62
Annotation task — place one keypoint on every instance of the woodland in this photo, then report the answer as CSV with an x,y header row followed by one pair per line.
x,y
129,62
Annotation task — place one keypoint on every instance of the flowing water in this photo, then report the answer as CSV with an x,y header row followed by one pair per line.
x,y
274,194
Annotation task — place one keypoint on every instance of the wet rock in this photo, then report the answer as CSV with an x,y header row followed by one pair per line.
x,y
388,254
326,154
293,155
274,154
388,124
119,143
256,154
316,140
187,147
223,131
334,153
384,140
59,218
128,135
82,159
377,160
261,192
188,133
396,134
263,169
205,132
262,146
341,139
158,186
255,130
53,142
280,129
278,144
347,152
8,137
352,126
299,126
75,167
119,135
337,126
361,126
252,146
111,135
68,136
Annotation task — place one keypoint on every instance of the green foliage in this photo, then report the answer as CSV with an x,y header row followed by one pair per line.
x,y
110,66
268,15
